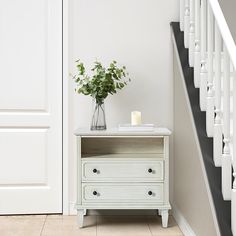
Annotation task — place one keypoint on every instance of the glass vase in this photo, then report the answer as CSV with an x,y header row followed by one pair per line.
x,y
98,116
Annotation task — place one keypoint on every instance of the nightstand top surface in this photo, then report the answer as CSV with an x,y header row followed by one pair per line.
x,y
115,132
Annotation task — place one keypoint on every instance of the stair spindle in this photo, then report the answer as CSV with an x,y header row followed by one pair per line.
x,y
181,13
217,126
186,24
191,33
203,72
197,55
226,158
210,92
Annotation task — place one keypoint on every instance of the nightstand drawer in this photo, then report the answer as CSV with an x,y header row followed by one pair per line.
x,y
133,193
122,170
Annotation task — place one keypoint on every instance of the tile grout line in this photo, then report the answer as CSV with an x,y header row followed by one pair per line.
x,y
148,225
96,225
43,225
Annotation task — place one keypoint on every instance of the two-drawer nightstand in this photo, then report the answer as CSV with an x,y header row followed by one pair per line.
x,y
123,170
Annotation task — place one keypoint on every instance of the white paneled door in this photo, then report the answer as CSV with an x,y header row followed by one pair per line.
x,y
30,106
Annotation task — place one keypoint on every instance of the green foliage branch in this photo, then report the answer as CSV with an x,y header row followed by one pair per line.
x,y
102,82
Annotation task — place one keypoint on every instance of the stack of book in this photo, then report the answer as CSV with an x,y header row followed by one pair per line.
x,y
137,128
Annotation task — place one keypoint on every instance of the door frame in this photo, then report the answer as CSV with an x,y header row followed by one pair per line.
x,y
65,110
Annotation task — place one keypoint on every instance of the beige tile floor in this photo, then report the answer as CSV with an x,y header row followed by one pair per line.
x,y
58,225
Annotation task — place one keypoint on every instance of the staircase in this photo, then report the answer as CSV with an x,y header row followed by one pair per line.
x,y
207,54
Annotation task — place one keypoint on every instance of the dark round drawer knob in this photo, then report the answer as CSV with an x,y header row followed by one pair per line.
x,y
150,193
95,193
95,170
150,170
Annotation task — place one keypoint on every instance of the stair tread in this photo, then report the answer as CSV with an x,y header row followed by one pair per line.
x,y
222,208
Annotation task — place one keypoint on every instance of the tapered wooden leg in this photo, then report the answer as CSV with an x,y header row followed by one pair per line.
x,y
164,217
80,217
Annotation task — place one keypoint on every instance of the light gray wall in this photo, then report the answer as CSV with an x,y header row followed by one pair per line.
x,y
228,7
136,34
190,193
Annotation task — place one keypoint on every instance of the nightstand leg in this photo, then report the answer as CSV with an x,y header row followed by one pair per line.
x,y
164,217
80,217
85,212
159,212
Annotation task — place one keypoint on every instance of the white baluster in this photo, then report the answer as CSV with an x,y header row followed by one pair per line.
x,y
191,33
197,55
181,15
226,158
203,74
233,204
186,24
217,153
210,92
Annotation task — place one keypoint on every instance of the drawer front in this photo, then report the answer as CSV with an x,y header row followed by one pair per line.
x,y
119,193
122,171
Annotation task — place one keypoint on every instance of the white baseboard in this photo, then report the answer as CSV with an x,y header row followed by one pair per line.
x,y
181,221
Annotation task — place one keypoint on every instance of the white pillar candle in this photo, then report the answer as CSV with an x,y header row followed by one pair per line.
x,y
136,118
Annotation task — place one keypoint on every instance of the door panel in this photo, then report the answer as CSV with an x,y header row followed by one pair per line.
x,y
26,162
23,46
30,106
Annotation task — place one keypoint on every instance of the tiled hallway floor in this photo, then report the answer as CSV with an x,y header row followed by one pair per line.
x,y
58,225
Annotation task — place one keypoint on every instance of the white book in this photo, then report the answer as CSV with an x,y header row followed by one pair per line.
x,y
138,128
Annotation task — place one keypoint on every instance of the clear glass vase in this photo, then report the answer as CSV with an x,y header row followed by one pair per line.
x,y
98,116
